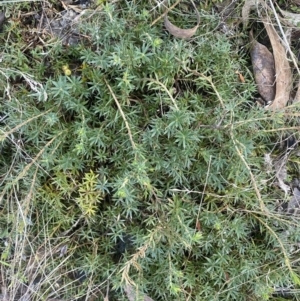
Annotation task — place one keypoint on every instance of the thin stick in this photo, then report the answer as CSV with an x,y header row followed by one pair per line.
x,y
166,11
212,85
165,88
202,196
6,134
287,45
285,254
262,205
122,114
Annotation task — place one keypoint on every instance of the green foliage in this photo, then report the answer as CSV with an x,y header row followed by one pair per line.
x,y
150,137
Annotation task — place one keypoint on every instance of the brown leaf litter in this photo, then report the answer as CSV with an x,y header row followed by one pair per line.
x,y
263,69
284,77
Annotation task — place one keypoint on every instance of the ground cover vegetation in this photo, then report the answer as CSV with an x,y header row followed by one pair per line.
x,y
133,162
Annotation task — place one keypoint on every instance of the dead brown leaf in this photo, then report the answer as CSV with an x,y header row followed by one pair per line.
x,y
290,19
282,67
131,294
248,5
180,32
2,18
241,77
297,96
198,226
227,277
263,69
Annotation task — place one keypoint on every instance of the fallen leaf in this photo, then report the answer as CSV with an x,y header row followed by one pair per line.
x,y
2,18
241,77
290,19
131,294
294,203
198,226
263,69
248,5
297,96
282,67
281,173
268,161
227,277
279,166
180,32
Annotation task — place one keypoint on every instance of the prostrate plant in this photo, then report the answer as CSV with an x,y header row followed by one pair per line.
x,y
151,145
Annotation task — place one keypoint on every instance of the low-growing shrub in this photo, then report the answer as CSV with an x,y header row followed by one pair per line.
x,y
137,158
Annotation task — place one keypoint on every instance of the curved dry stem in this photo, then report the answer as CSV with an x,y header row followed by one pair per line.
x,y
235,143
165,88
122,114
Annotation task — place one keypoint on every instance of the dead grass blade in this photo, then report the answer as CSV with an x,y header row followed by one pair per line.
x,y
27,167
